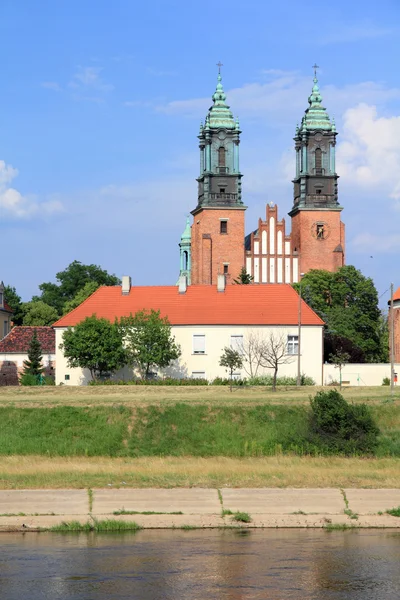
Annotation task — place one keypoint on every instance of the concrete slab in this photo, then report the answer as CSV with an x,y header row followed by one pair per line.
x,y
189,501
59,502
367,502
284,501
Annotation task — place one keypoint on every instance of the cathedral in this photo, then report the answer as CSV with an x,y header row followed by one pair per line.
x,y
215,243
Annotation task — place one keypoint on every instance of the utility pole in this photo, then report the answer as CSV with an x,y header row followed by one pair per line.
x,y
298,383
391,341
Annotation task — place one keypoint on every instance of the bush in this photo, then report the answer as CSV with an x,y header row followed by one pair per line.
x,y
167,381
288,381
29,379
340,427
386,381
225,381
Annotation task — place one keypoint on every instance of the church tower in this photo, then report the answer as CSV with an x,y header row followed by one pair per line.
x,y
317,231
217,239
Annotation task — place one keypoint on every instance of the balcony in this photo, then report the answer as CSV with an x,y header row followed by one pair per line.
x,y
223,198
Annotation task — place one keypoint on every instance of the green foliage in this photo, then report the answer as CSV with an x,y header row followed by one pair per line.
x,y
38,313
241,517
342,427
395,512
348,302
88,289
148,341
386,381
226,381
71,281
95,525
64,431
14,302
169,381
28,379
243,278
94,344
33,366
232,360
281,381
339,359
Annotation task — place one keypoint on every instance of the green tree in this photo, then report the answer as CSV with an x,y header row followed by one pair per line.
x,y
71,280
243,278
94,344
14,302
38,313
33,366
348,303
340,359
148,341
80,296
232,360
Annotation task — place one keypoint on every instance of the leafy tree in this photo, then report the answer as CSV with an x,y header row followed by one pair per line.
x,y
348,303
33,366
148,341
231,359
94,344
243,278
340,359
38,313
274,354
14,302
80,296
71,280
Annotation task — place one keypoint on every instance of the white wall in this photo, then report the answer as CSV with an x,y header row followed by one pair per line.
x,y
359,374
216,338
19,358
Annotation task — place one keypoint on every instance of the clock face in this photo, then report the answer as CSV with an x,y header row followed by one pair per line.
x,y
320,230
318,137
221,135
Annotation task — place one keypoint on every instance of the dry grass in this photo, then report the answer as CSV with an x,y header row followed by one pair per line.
x,y
19,472
145,395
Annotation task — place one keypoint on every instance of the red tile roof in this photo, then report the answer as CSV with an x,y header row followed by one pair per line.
x,y
19,338
7,308
269,304
396,295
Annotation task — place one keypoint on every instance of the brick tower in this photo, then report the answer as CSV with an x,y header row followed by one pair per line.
x,y
317,231
217,240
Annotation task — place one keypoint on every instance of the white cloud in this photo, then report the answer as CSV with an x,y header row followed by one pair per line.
x,y
369,154
52,85
16,206
90,78
377,243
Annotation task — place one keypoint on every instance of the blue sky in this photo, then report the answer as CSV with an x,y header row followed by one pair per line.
x,y
100,107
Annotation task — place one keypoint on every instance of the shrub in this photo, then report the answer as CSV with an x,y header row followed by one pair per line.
x,y
386,381
340,427
167,381
282,381
29,379
225,381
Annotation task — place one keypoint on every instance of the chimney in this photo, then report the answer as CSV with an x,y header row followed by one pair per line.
x,y
221,283
126,285
182,284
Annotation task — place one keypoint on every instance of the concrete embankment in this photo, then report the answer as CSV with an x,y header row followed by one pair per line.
x,y
31,510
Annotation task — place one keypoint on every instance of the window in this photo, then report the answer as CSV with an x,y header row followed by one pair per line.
x,y
318,161
221,157
226,269
198,375
292,344
199,344
5,328
237,343
318,192
66,377
320,231
223,226
1,299
222,190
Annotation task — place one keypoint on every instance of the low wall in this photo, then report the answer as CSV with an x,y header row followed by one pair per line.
x,y
359,374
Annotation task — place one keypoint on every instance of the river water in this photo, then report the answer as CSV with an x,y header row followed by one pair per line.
x,y
207,564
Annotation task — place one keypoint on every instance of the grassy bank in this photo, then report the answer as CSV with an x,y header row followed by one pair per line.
x,y
199,430
24,472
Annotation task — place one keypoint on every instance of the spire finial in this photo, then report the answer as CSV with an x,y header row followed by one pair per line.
x,y
315,67
219,65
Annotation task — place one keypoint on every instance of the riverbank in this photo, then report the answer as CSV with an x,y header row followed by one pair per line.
x,y
186,508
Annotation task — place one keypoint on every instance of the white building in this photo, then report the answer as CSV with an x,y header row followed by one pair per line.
x,y
204,320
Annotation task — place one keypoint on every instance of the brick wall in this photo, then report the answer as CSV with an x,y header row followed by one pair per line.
x,y
316,253
396,332
211,249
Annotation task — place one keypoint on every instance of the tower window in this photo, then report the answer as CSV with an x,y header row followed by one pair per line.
x,y
318,161
320,231
226,269
223,226
221,157
318,192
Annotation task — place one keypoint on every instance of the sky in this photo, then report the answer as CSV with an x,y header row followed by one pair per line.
x,y
100,106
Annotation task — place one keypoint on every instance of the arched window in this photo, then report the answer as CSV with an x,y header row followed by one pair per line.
x,y
185,260
221,157
318,161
